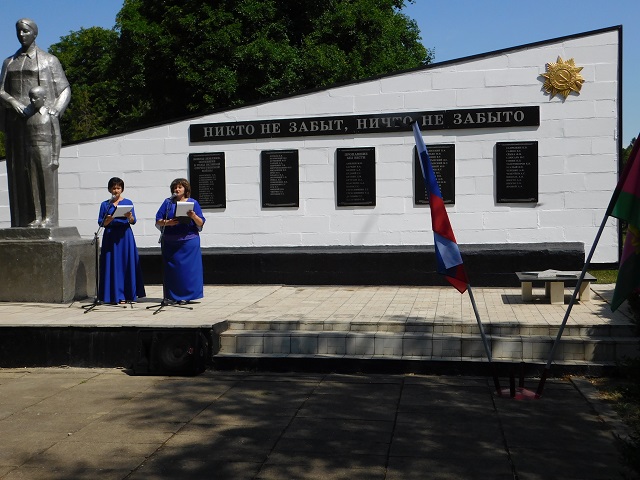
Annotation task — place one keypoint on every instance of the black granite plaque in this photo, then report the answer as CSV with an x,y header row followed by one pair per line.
x,y
207,178
280,178
517,172
356,176
443,158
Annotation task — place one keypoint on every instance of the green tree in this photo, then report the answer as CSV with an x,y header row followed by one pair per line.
x,y
88,57
178,57
627,151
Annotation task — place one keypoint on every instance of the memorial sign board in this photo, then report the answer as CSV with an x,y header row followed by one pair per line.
x,y
356,176
207,179
499,117
280,178
443,163
517,172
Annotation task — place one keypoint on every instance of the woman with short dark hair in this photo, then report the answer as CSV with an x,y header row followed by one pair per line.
x,y
120,272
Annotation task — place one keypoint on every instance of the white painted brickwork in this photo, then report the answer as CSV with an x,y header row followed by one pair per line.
x,y
577,140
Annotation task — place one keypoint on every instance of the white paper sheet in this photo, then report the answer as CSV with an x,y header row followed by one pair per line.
x,y
182,208
121,210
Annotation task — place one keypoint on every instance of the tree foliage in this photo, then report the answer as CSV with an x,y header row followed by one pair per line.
x,y
170,58
626,152
88,59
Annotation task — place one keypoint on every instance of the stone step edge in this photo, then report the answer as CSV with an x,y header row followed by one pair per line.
x,y
363,334
411,364
531,349
436,327
484,359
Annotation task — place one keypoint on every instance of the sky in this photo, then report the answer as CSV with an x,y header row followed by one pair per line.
x,y
452,28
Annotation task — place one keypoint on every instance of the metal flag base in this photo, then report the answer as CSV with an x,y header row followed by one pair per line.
x,y
519,392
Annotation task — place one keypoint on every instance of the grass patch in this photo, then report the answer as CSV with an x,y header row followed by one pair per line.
x,y
623,394
605,276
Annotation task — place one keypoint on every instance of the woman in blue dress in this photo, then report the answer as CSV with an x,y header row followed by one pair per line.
x,y
120,272
180,242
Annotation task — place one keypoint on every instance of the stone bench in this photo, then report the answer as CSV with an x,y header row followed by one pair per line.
x,y
554,284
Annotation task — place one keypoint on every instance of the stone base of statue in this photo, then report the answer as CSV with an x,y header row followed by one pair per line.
x,y
48,265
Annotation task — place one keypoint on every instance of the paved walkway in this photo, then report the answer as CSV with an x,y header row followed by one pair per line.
x,y
342,304
105,424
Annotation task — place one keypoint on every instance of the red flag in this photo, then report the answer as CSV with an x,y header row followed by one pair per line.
x,y
627,208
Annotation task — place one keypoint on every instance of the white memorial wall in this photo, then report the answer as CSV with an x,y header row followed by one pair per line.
x,y
577,139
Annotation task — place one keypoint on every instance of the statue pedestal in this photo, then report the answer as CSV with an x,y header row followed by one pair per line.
x,y
49,265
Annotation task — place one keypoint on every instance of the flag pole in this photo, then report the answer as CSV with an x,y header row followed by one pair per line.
x,y
448,258
607,214
487,348
547,368
482,334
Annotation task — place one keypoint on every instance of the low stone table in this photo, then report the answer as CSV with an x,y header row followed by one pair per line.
x,y
554,281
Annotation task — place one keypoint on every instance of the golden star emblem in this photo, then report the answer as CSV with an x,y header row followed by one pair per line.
x,y
563,78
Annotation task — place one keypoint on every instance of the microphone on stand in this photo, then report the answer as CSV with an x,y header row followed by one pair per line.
x,y
112,199
172,199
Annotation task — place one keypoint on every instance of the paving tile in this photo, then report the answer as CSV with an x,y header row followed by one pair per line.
x,y
556,464
442,465
23,421
4,470
105,431
19,448
321,469
25,472
72,456
180,463
237,448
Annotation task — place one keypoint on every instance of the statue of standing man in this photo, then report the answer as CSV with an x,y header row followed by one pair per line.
x,y
32,164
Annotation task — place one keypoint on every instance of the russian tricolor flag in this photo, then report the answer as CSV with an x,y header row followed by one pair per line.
x,y
448,258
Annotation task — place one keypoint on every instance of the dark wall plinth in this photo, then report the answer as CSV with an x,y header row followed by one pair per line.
x,y
487,266
50,265
89,347
320,364
78,347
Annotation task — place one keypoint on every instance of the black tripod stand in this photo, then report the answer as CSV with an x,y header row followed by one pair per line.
x,y
96,243
166,302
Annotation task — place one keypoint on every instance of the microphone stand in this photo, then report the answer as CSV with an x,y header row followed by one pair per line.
x,y
165,301
96,243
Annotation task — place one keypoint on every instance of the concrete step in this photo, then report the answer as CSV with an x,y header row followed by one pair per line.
x,y
435,345
435,327
504,369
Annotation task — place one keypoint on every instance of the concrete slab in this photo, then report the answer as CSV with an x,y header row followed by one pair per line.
x,y
230,425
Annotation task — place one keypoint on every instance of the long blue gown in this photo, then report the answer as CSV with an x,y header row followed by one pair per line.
x,y
181,255
120,272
